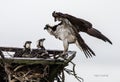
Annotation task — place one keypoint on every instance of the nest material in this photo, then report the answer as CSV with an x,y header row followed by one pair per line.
x,y
47,66
14,71
31,73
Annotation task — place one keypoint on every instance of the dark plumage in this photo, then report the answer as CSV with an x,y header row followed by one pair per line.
x,y
81,25
27,45
27,49
40,44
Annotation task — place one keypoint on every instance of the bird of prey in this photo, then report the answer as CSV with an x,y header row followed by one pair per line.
x,y
27,49
80,25
65,32
40,44
41,52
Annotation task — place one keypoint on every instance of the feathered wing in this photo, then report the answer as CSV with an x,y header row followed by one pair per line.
x,y
85,48
95,33
82,45
85,26
80,24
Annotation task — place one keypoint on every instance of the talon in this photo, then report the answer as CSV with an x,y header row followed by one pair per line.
x,y
64,55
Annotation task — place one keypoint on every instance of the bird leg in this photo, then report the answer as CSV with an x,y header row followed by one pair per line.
x,y
66,45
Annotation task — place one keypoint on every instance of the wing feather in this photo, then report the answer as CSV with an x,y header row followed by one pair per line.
x,y
85,48
85,26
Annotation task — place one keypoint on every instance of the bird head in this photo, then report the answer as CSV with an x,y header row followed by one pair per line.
x,y
27,44
47,26
40,42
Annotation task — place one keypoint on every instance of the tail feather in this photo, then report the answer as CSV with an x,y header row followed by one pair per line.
x,y
95,33
87,51
85,48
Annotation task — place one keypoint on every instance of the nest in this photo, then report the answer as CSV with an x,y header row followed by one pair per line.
x,y
37,66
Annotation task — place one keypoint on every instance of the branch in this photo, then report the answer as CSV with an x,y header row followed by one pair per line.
x,y
72,72
7,67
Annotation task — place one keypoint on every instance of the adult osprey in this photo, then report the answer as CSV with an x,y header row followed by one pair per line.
x,y
80,25
65,32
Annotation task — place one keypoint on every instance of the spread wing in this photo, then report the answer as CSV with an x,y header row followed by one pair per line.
x,y
81,43
80,24
83,26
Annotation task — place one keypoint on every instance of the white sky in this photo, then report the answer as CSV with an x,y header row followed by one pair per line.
x,y
22,20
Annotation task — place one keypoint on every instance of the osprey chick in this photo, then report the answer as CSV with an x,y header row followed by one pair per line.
x,y
27,49
27,45
40,44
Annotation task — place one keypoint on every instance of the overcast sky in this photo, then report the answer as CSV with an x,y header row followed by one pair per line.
x,y
22,20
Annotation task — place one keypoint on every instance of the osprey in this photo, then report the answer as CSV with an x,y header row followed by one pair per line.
x,y
27,45
80,25
27,49
65,32
40,44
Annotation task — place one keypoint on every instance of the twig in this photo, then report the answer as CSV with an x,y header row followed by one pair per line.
x,y
9,54
46,70
6,67
77,77
18,67
63,76
72,72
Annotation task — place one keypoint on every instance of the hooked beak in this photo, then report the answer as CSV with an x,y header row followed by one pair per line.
x,y
41,39
46,26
